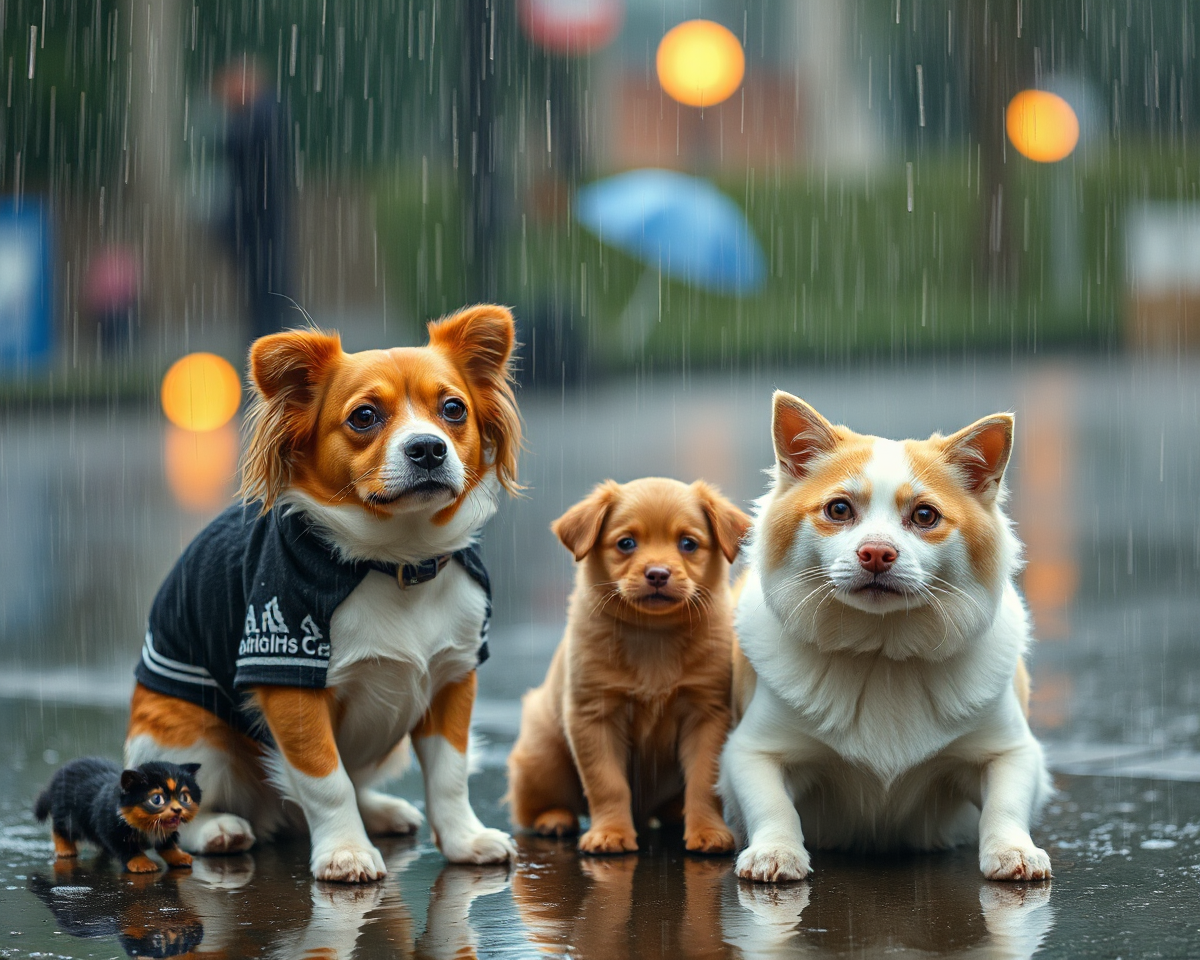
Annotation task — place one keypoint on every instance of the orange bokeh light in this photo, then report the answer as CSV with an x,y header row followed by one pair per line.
x,y
1042,126
201,466
700,63
201,392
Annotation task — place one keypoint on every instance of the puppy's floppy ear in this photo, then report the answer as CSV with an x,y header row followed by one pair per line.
x,y
480,340
579,527
131,779
286,370
980,452
729,524
800,434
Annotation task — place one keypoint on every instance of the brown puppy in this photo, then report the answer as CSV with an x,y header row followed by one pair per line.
x,y
635,708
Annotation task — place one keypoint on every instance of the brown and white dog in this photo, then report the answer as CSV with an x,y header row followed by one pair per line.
x,y
631,717
370,463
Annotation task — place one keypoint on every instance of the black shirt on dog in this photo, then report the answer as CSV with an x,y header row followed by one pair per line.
x,y
250,602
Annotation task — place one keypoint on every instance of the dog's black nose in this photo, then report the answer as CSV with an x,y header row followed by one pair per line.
x,y
426,451
658,576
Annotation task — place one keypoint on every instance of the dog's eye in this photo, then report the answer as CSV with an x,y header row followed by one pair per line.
x,y
454,410
839,511
156,800
627,544
364,418
688,545
925,516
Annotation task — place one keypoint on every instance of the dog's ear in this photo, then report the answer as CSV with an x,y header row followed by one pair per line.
x,y
285,372
800,434
980,452
480,340
729,524
579,527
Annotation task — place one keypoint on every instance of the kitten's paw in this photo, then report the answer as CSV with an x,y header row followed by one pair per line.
x,y
773,863
711,838
218,835
602,839
348,863
485,846
556,823
176,857
383,815
141,864
1016,862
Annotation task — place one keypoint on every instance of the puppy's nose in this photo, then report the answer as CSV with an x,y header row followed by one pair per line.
x,y
658,575
877,556
426,451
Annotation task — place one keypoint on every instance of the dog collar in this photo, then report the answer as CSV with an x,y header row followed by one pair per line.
x,y
413,573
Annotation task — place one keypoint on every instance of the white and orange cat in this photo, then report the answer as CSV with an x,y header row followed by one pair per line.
x,y
883,692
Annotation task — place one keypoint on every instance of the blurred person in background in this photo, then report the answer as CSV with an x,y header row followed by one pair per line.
x,y
111,290
258,152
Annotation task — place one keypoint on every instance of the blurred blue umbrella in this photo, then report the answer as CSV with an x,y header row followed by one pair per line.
x,y
682,225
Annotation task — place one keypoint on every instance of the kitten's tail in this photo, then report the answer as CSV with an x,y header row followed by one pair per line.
x,y
41,809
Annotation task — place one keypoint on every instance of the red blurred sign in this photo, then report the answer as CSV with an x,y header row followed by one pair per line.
x,y
571,26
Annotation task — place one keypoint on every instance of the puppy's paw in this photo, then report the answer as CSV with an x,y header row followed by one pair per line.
x,y
603,839
710,838
141,864
176,857
219,835
773,863
389,816
348,863
556,823
485,846
1016,862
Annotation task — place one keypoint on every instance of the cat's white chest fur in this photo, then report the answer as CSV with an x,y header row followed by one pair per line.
x,y
392,648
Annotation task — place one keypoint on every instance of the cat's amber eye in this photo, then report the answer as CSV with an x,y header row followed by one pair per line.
x,y
185,797
839,511
156,800
925,516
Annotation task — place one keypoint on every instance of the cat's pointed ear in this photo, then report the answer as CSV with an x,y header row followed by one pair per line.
x,y
981,452
800,434
131,779
189,768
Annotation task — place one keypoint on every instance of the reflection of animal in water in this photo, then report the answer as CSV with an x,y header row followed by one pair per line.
x,y
374,920
628,907
897,907
143,912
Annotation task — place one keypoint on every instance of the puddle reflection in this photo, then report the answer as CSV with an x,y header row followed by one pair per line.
x,y
664,903
222,910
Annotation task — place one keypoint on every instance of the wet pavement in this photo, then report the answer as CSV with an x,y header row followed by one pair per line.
x,y
96,505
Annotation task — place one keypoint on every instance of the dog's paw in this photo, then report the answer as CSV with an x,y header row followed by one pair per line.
x,y
601,839
348,863
556,823
141,864
773,863
220,835
708,839
486,846
389,816
1016,862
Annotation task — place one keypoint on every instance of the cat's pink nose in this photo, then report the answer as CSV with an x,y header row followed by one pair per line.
x,y
877,556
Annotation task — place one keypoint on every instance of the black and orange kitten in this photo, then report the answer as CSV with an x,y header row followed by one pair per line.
x,y
125,812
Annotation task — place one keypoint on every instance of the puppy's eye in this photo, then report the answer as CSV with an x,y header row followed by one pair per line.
x,y
156,800
454,410
839,511
627,544
925,516
364,418
688,545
